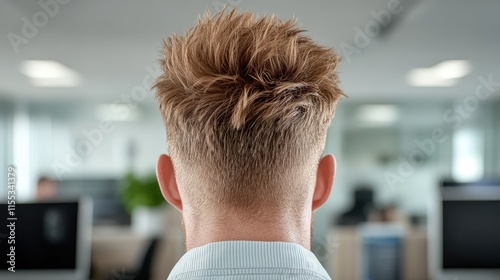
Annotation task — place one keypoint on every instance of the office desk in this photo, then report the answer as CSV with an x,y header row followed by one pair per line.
x,y
345,265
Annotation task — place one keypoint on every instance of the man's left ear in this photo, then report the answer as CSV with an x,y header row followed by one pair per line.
x,y
324,181
166,180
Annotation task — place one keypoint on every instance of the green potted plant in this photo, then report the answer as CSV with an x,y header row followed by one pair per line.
x,y
143,199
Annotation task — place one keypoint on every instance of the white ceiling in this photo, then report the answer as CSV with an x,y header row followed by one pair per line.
x,y
110,43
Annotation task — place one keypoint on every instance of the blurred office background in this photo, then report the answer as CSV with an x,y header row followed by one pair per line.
x,y
423,111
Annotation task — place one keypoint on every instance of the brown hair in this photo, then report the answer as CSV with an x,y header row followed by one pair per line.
x,y
246,102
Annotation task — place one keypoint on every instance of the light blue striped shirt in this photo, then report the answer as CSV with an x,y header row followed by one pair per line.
x,y
248,260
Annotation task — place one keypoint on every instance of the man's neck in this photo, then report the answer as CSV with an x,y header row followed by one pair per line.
x,y
202,231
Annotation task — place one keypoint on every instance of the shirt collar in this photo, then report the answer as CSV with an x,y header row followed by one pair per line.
x,y
248,254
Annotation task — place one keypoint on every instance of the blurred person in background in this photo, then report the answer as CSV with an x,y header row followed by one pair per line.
x,y
247,102
46,188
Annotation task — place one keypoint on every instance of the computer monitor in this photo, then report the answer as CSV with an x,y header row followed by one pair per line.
x,y
106,197
465,232
52,240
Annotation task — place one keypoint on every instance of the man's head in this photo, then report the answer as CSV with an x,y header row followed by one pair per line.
x,y
246,102
46,188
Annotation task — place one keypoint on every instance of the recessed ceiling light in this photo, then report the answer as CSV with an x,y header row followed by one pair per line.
x,y
56,82
452,69
422,77
443,74
49,73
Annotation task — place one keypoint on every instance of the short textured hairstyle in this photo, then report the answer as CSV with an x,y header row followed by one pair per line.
x,y
246,102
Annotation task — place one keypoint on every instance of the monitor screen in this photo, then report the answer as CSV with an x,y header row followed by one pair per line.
x,y
471,234
45,236
52,240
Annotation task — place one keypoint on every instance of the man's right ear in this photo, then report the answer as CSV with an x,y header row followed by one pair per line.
x,y
167,182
